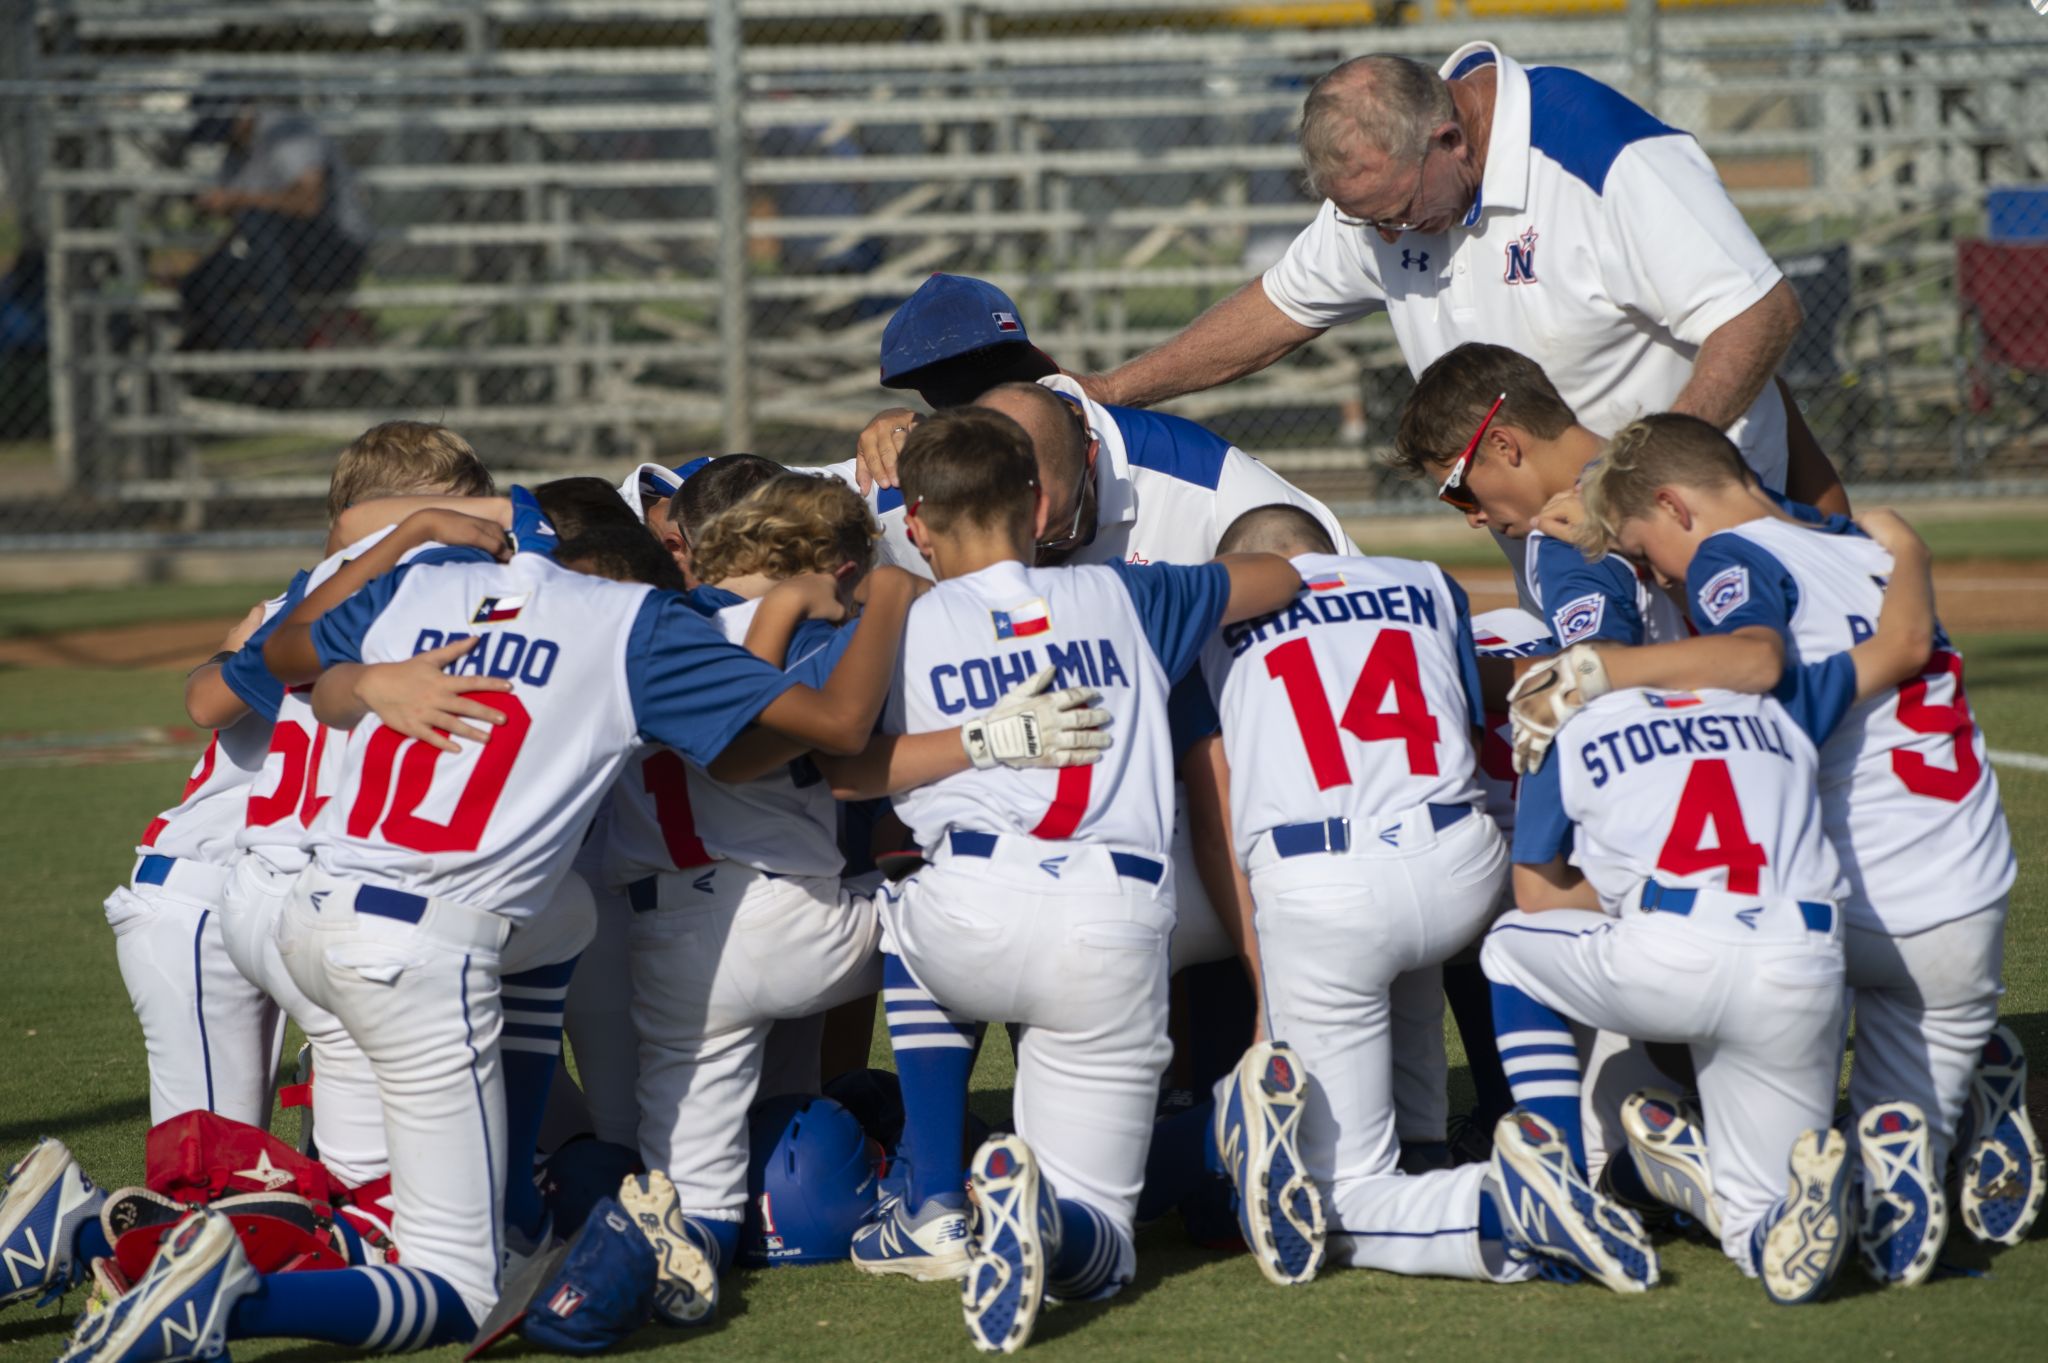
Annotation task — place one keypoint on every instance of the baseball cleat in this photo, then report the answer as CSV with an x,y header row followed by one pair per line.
x,y
2002,1184
1278,1208
1551,1211
1667,1142
1802,1243
180,1308
1016,1235
48,1197
1905,1216
686,1281
128,1209
930,1247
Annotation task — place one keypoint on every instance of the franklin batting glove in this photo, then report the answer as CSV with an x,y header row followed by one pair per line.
x,y
1550,693
1033,727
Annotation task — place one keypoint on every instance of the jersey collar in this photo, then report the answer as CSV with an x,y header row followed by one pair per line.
x,y
1506,183
1116,503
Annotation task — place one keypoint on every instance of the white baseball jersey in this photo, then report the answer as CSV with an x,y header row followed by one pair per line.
x,y
1504,633
669,814
1606,599
1911,802
202,825
1697,790
1601,244
1356,701
1128,632
1165,490
596,665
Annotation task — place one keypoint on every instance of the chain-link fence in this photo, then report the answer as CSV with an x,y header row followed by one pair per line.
x,y
590,231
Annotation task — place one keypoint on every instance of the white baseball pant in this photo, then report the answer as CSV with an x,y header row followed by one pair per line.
x,y
1070,940
348,1117
211,1036
1925,1004
1338,929
728,951
1757,996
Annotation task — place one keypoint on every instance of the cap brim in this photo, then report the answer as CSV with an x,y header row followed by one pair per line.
x,y
517,1296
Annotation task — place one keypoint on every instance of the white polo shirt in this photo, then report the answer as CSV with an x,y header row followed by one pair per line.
x,y
1602,245
1165,490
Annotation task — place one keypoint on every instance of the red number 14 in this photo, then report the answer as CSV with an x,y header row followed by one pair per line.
x,y
1391,666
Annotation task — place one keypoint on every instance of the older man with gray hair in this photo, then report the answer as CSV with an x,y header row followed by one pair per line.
x,y
1531,207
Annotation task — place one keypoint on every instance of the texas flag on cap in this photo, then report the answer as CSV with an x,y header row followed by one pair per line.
x,y
1023,621
1006,321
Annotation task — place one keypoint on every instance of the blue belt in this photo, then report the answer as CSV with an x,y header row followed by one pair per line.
x,y
1334,835
154,870
1676,899
967,843
407,908
643,895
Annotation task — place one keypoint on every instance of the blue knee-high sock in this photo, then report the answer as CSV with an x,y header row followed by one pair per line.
x,y
1183,1154
1471,1000
530,1047
720,1240
934,1058
1089,1250
388,1308
1542,1063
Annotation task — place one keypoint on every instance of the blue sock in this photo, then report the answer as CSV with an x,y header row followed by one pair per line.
x,y
1627,1180
720,1240
530,1046
1183,1154
1541,1061
1491,1226
1089,1249
934,1059
1471,1000
88,1244
388,1308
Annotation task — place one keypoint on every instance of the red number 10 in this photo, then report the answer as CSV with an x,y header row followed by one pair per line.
x,y
1391,666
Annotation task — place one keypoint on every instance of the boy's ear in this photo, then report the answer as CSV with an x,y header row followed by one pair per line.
x,y
1041,505
846,571
1673,504
1507,444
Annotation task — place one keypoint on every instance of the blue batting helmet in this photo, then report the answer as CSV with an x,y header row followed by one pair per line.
x,y
810,1181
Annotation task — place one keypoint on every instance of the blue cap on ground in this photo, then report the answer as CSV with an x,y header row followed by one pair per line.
x,y
949,315
603,1291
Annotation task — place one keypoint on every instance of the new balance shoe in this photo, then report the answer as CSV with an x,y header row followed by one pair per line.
x,y
128,1209
1016,1236
48,1198
1801,1244
1550,1211
930,1246
180,1308
1667,1143
1279,1210
1905,1215
686,1281
2002,1183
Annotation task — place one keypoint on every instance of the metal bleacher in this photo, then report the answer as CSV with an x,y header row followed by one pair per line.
x,y
596,219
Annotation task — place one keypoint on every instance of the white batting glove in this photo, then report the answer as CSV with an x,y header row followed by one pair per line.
x,y
1550,693
1034,727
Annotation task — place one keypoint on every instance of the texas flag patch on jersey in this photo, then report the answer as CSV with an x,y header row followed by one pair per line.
x,y
1023,621
1724,592
1671,700
1580,618
495,609
1324,582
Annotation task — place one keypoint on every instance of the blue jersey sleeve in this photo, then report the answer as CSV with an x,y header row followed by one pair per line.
x,y
1734,583
816,650
690,688
1468,654
1179,606
1584,602
1542,832
1818,695
338,635
1190,715
245,673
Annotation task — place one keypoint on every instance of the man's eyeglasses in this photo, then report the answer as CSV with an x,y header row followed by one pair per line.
x,y
1073,535
1454,492
1388,224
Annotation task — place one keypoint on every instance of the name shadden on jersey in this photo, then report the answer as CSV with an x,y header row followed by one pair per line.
x,y
979,683
1401,605
500,654
1688,737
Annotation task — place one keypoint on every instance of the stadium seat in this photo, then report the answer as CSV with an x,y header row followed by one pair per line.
x,y
2017,213
2002,288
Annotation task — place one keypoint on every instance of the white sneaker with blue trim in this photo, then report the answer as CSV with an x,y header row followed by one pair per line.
x,y
686,1281
1667,1142
2002,1183
1802,1243
1016,1236
48,1197
930,1246
1905,1215
1258,1116
180,1308
1550,1211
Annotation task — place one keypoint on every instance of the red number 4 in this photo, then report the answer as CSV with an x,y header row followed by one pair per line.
x,y
1391,666
1709,801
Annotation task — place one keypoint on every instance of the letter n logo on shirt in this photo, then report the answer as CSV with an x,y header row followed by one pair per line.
x,y
1522,259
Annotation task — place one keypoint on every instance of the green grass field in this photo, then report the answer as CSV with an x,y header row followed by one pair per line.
x,y
73,1067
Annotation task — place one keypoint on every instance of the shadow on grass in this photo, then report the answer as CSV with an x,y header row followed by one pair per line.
x,y
64,1123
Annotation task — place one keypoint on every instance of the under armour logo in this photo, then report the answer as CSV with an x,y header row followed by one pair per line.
x,y
1522,259
1749,916
702,884
1414,260
1052,865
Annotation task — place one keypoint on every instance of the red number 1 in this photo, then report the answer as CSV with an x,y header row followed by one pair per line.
x,y
1391,666
663,776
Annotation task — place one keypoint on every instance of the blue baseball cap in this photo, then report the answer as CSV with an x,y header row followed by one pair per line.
x,y
948,316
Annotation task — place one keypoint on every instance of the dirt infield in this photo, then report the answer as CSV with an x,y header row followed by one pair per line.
x,y
1976,598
